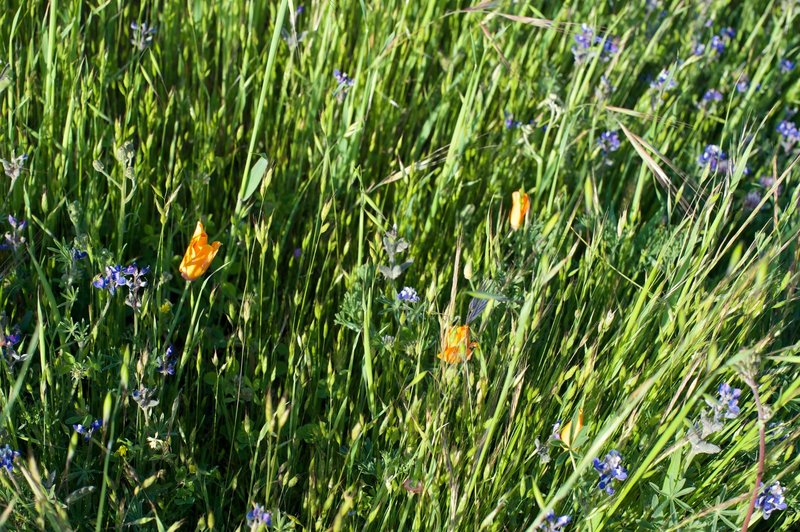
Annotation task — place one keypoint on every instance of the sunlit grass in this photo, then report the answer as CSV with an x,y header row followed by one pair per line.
x,y
342,152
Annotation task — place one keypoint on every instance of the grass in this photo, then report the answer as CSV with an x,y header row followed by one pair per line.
x,y
639,283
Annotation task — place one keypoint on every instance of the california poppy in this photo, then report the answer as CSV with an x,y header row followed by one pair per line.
x,y
568,434
198,255
457,346
520,203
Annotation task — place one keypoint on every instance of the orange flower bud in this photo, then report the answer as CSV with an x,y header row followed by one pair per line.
x,y
457,346
198,255
520,203
568,433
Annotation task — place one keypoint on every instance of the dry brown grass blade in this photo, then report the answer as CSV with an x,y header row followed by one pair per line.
x,y
661,176
484,7
497,49
650,117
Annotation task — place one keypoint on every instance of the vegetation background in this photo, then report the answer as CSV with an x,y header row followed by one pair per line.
x,y
649,271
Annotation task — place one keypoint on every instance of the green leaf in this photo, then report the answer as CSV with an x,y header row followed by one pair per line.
x,y
254,179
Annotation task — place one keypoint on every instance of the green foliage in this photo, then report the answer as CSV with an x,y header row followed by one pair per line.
x,y
298,379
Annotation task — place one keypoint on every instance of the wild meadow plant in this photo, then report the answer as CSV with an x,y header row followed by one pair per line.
x,y
399,265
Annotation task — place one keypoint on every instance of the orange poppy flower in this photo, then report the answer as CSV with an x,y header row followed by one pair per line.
x,y
457,347
198,255
520,203
568,434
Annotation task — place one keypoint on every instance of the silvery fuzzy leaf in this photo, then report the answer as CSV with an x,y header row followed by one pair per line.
x,y
709,424
390,272
79,494
393,272
143,397
400,245
699,445
542,451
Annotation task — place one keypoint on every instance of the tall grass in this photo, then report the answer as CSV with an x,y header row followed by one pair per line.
x,y
640,282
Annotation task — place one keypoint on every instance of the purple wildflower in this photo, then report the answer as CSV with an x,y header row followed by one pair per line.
x,y
767,181
609,142
743,84
712,95
714,158
166,365
87,432
553,523
717,44
509,121
752,199
771,499
258,516
142,35
7,457
408,295
610,469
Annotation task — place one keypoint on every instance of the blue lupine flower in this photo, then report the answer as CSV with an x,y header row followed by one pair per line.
x,y
609,48
664,81
743,84
408,295
712,95
14,238
87,432
717,44
299,10
7,457
131,276
556,435
344,83
585,42
166,365
509,121
7,343
786,66
10,340
610,469
17,224
258,516
728,32
729,397
553,523
699,49
767,181
608,141
771,499
77,254
142,35
714,158
788,130
342,78
751,201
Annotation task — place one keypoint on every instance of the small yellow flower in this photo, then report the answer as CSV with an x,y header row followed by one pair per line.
x,y
122,451
166,307
457,346
568,433
520,203
198,255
